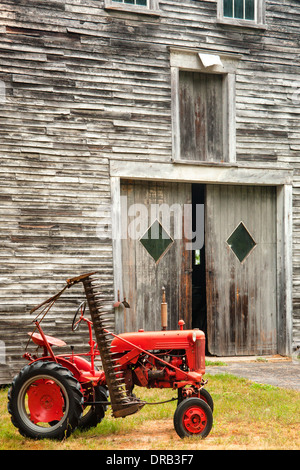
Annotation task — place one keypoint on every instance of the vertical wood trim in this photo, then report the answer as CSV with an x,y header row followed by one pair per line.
x,y
154,4
116,235
219,10
261,11
230,121
284,269
175,113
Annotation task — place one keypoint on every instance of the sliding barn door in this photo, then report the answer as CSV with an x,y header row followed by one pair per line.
x,y
241,270
154,254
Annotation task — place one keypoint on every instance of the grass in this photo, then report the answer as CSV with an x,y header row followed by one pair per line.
x,y
247,416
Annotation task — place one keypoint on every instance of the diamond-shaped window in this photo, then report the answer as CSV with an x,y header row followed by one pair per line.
x,y
241,242
156,241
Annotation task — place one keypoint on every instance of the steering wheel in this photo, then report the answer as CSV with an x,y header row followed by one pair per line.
x,y
81,309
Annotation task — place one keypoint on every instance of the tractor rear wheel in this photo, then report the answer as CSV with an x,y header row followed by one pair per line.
x,y
193,417
95,413
45,401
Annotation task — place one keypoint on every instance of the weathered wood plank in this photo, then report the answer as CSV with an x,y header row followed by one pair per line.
x,y
242,316
84,85
143,278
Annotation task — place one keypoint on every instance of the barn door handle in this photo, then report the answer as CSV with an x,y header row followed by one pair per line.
x,y
188,271
125,303
117,303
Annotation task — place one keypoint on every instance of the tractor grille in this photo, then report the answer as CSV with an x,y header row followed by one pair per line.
x,y
200,356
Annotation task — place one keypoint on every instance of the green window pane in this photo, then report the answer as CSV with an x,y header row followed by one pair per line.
x,y
143,3
239,9
228,8
249,9
241,242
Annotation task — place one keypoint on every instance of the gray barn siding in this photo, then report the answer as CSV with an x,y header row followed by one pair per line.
x,y
84,85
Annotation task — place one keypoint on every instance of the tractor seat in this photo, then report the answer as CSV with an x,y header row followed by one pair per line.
x,y
38,339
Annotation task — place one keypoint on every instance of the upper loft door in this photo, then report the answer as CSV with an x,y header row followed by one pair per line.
x,y
203,117
154,254
241,255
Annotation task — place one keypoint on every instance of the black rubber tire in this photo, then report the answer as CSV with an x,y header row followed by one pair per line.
x,y
69,388
95,413
189,410
204,395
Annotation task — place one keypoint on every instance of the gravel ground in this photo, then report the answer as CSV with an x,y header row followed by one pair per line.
x,y
281,373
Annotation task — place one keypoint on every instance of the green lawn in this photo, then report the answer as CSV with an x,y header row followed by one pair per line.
x,y
246,416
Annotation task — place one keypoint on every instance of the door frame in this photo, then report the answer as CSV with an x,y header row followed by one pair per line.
x,y
231,173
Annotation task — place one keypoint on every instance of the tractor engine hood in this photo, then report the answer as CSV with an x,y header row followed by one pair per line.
x,y
157,340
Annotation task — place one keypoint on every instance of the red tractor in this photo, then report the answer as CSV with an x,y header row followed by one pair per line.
x,y
55,394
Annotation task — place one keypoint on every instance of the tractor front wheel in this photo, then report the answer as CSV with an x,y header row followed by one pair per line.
x,y
204,395
193,417
45,401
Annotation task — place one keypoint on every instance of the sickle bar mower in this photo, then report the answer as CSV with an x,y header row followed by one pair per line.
x,y
55,394
122,405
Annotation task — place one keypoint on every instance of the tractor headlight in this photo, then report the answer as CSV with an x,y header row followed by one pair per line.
x,y
192,336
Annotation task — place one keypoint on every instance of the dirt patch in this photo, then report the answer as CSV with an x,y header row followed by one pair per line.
x,y
161,436
150,435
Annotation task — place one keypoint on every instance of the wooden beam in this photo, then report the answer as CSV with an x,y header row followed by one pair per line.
x,y
201,173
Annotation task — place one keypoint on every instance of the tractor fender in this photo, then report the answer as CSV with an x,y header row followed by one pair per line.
x,y
63,362
79,367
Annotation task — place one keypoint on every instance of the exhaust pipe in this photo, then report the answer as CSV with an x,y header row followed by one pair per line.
x,y
164,311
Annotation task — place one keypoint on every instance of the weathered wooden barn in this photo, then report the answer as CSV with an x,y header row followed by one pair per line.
x,y
110,109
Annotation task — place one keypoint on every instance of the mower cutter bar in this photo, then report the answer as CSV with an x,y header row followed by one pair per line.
x,y
122,404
